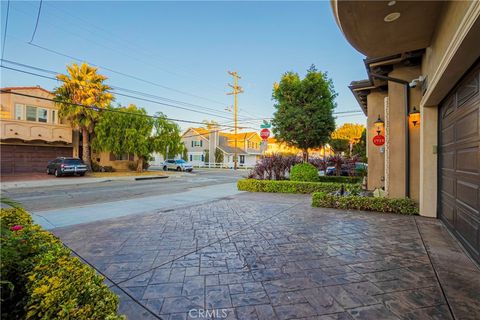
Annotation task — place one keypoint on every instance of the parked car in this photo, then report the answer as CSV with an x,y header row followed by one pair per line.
x,y
346,169
178,165
66,166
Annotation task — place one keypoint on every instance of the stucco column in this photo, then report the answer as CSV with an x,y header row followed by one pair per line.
x,y
398,119
376,156
428,161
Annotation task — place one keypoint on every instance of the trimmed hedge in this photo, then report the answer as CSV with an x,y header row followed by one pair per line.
x,y
401,206
286,186
340,179
40,279
304,172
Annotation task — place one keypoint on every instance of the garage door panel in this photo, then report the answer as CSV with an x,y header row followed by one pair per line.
x,y
447,212
467,193
467,160
467,126
459,162
448,135
468,228
448,160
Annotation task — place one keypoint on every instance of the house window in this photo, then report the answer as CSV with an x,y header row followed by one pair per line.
x,y
42,115
54,116
125,156
197,143
31,113
19,111
242,159
197,157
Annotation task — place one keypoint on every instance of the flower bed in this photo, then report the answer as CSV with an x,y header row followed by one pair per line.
x,y
41,280
401,206
286,186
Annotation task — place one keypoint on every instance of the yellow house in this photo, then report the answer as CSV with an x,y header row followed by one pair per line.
x,y
422,100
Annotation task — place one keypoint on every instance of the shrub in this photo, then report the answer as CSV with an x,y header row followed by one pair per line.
x,y
273,167
15,216
41,280
402,206
285,186
304,172
340,179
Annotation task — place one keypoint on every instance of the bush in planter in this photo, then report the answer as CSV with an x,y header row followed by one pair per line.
x,y
304,172
41,280
401,206
286,186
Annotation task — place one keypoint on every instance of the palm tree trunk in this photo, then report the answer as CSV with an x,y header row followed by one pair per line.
x,y
86,149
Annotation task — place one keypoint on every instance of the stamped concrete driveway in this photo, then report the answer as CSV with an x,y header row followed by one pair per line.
x,y
271,256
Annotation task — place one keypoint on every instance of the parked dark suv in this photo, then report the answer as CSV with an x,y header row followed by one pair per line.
x,y
66,166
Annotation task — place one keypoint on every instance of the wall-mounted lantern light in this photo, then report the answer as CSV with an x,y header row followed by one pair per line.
x,y
379,124
414,116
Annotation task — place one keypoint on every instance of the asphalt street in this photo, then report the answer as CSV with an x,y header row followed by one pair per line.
x,y
53,197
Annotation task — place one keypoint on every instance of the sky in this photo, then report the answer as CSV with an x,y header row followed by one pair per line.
x,y
182,51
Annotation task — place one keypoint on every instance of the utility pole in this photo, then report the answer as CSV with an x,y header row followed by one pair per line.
x,y
236,90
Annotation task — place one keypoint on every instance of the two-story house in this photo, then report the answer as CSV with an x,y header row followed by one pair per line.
x,y
32,134
31,131
202,144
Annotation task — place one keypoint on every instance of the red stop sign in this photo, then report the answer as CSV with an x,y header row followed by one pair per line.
x,y
264,134
379,140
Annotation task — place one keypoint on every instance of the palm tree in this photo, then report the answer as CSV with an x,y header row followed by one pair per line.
x,y
82,86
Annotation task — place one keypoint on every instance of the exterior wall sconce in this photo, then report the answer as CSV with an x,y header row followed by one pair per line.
x,y
414,116
379,124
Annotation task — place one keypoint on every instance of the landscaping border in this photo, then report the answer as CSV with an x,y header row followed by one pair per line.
x,y
401,206
287,186
42,280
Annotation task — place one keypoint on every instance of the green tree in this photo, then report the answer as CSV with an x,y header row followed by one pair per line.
x,y
185,153
304,108
218,156
339,145
351,132
207,155
210,124
360,148
82,86
131,130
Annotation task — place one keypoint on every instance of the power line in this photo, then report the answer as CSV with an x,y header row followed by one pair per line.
x,y
124,74
122,89
125,95
114,38
101,109
5,31
36,23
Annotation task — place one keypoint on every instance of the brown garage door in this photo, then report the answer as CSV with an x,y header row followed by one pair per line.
x,y
18,159
459,162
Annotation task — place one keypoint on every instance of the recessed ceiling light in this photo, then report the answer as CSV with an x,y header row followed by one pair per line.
x,y
391,3
391,17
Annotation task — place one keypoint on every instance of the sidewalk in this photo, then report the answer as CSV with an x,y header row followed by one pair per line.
x,y
100,211
37,181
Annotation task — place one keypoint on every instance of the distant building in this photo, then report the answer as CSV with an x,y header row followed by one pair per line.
x,y
31,131
202,144
32,134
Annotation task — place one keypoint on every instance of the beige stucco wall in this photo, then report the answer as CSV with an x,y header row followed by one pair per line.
x,y
397,119
376,158
32,131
